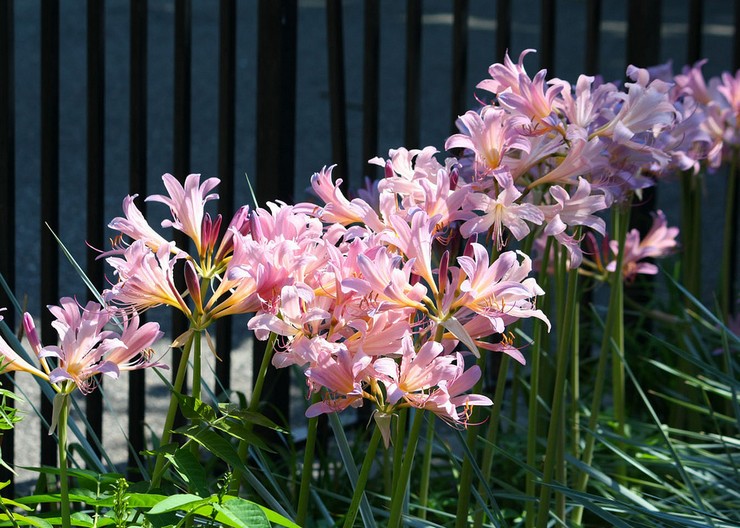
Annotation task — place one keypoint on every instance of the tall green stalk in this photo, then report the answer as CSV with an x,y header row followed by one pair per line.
x,y
729,240
558,401
372,447
197,335
613,319
169,421
534,393
426,470
307,472
491,434
63,476
401,480
254,403
466,472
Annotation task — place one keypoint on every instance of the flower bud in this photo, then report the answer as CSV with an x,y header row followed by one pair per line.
x,y
193,284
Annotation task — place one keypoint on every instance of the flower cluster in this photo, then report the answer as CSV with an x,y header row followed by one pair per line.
x,y
86,347
352,291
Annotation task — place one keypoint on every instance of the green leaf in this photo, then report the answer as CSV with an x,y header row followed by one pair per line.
x,y
26,521
248,416
243,513
191,471
275,518
194,409
177,502
241,432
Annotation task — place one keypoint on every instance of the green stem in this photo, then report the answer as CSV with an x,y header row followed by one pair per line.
x,y
372,447
561,373
466,472
426,470
492,433
254,403
197,334
398,445
621,222
169,421
308,457
614,314
575,414
63,476
402,480
534,394
729,240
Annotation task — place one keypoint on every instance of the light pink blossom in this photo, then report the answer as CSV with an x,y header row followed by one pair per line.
x,y
187,205
86,349
659,241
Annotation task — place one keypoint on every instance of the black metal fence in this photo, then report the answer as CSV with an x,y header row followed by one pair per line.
x,y
289,86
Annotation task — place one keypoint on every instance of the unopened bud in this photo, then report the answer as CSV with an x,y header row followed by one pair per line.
x,y
192,282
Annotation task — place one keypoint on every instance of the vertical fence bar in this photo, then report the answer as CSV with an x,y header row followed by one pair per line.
x,y
412,116
276,112
503,28
337,92
695,21
736,38
7,203
137,185
643,49
593,36
643,32
181,150
95,178
733,277
226,144
49,195
370,87
547,37
459,61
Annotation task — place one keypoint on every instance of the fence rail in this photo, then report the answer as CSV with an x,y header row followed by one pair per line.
x,y
392,58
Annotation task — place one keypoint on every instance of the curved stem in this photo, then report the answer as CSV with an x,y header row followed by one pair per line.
x,y
169,421
372,447
402,479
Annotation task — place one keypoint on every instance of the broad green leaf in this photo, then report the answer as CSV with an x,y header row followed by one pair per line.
x,y
243,513
177,502
191,471
26,521
194,409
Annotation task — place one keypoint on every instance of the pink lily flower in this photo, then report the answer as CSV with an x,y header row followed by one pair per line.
x,y
85,349
145,278
418,373
658,242
451,401
341,374
500,212
499,290
186,203
10,361
570,211
134,225
490,135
